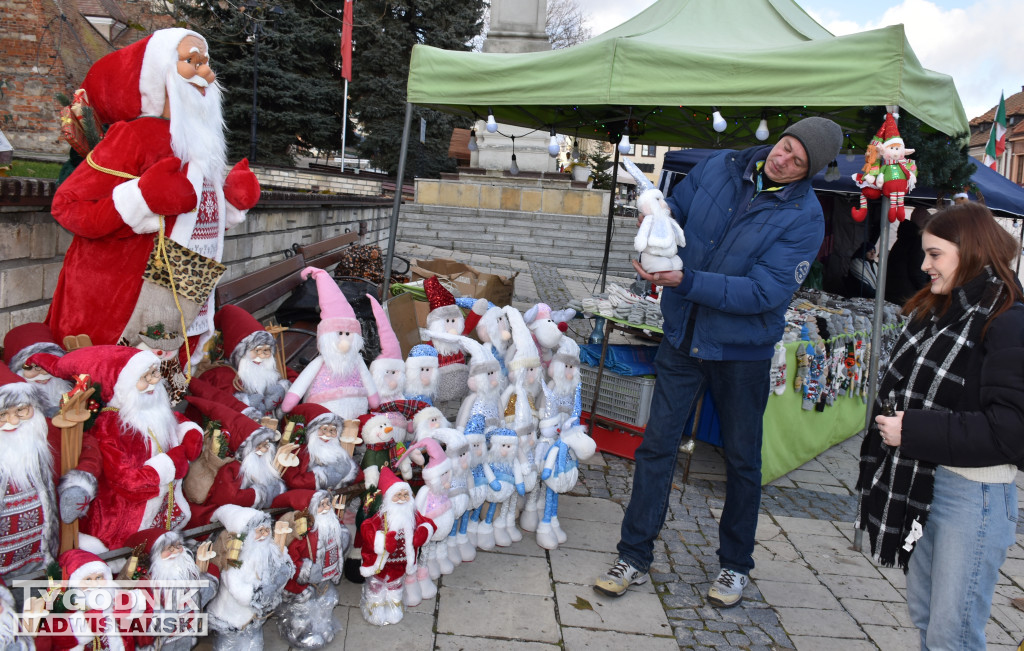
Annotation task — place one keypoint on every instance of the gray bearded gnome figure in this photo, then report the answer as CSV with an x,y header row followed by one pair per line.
x,y
181,585
389,543
317,546
253,376
254,570
323,462
22,342
145,447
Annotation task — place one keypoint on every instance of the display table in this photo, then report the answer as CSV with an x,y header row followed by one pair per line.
x,y
792,435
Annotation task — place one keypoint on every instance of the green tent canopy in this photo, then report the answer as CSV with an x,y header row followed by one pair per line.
x,y
666,68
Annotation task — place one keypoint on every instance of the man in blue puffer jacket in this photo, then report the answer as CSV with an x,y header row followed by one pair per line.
x,y
753,227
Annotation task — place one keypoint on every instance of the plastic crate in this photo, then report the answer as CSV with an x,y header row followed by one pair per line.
x,y
623,398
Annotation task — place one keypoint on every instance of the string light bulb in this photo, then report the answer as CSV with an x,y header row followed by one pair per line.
x,y
624,144
472,140
513,168
554,149
718,122
492,126
762,128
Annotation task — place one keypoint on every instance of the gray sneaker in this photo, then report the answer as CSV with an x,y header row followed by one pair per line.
x,y
621,575
727,590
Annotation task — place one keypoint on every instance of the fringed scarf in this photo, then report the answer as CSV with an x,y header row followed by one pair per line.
x,y
928,368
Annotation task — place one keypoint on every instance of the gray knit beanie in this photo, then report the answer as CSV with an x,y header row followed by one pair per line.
x,y
821,139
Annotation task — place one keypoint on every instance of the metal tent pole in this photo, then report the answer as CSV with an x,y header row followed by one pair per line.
x,y
385,286
611,219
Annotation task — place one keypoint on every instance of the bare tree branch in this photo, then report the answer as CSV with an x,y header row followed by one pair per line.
x,y
566,24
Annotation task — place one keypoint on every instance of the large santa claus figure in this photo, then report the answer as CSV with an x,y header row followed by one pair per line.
x,y
323,462
145,447
159,168
20,343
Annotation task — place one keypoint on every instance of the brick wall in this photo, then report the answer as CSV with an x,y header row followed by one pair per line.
x,y
32,244
368,185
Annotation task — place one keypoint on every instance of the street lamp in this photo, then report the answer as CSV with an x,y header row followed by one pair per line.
x,y
253,29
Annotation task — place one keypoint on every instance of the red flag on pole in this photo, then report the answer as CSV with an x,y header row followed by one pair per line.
x,y
346,43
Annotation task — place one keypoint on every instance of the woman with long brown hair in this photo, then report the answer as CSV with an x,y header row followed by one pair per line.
x,y
938,465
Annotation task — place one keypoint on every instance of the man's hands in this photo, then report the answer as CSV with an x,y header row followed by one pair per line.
x,y
166,189
663,278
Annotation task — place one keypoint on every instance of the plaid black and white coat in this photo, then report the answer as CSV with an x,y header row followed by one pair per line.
x,y
962,392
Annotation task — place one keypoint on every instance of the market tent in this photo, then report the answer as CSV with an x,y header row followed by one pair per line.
x,y
669,65
1002,196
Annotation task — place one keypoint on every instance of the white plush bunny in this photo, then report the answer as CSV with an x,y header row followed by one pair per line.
x,y
660,236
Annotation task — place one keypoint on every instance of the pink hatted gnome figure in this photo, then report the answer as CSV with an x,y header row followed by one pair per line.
x,y
445,317
145,447
389,541
338,378
433,503
548,327
20,343
456,448
253,376
388,369
421,373
306,618
897,174
485,380
252,577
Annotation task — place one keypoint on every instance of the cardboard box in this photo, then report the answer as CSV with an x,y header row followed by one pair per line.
x,y
407,315
466,280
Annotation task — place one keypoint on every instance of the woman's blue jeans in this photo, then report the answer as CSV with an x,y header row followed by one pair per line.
x,y
955,564
740,390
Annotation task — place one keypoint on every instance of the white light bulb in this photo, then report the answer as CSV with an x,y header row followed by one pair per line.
x,y
850,156
492,126
576,151
762,130
513,169
718,122
472,141
624,144
553,147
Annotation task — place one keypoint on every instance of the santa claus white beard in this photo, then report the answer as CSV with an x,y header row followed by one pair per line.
x,y
26,460
180,568
197,126
259,556
258,470
8,625
324,453
148,413
400,517
257,378
414,382
562,385
328,529
54,388
434,327
382,379
339,363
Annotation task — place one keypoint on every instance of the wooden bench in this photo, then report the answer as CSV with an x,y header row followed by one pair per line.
x,y
326,253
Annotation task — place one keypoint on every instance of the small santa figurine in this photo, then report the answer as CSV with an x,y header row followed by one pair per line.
x,y
145,446
323,462
252,375
254,570
445,317
20,343
421,373
165,343
108,611
29,519
253,478
157,175
181,584
317,548
390,540
338,378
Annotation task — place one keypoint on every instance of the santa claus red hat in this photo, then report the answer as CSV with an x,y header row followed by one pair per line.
x,y
240,519
890,133
310,415
200,388
76,564
21,342
437,465
154,541
14,390
336,315
442,303
389,483
117,369
238,327
132,81
301,499
244,434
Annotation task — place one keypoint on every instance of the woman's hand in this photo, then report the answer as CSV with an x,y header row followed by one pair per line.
x,y
891,429
663,278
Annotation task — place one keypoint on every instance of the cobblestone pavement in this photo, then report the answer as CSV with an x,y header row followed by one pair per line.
x,y
809,590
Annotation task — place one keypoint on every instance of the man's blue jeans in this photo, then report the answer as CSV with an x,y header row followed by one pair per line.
x,y
740,390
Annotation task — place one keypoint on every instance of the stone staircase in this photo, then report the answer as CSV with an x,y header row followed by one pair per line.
x,y
569,241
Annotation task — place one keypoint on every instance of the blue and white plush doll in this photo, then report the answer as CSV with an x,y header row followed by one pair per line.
x,y
660,236
560,471
469,523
